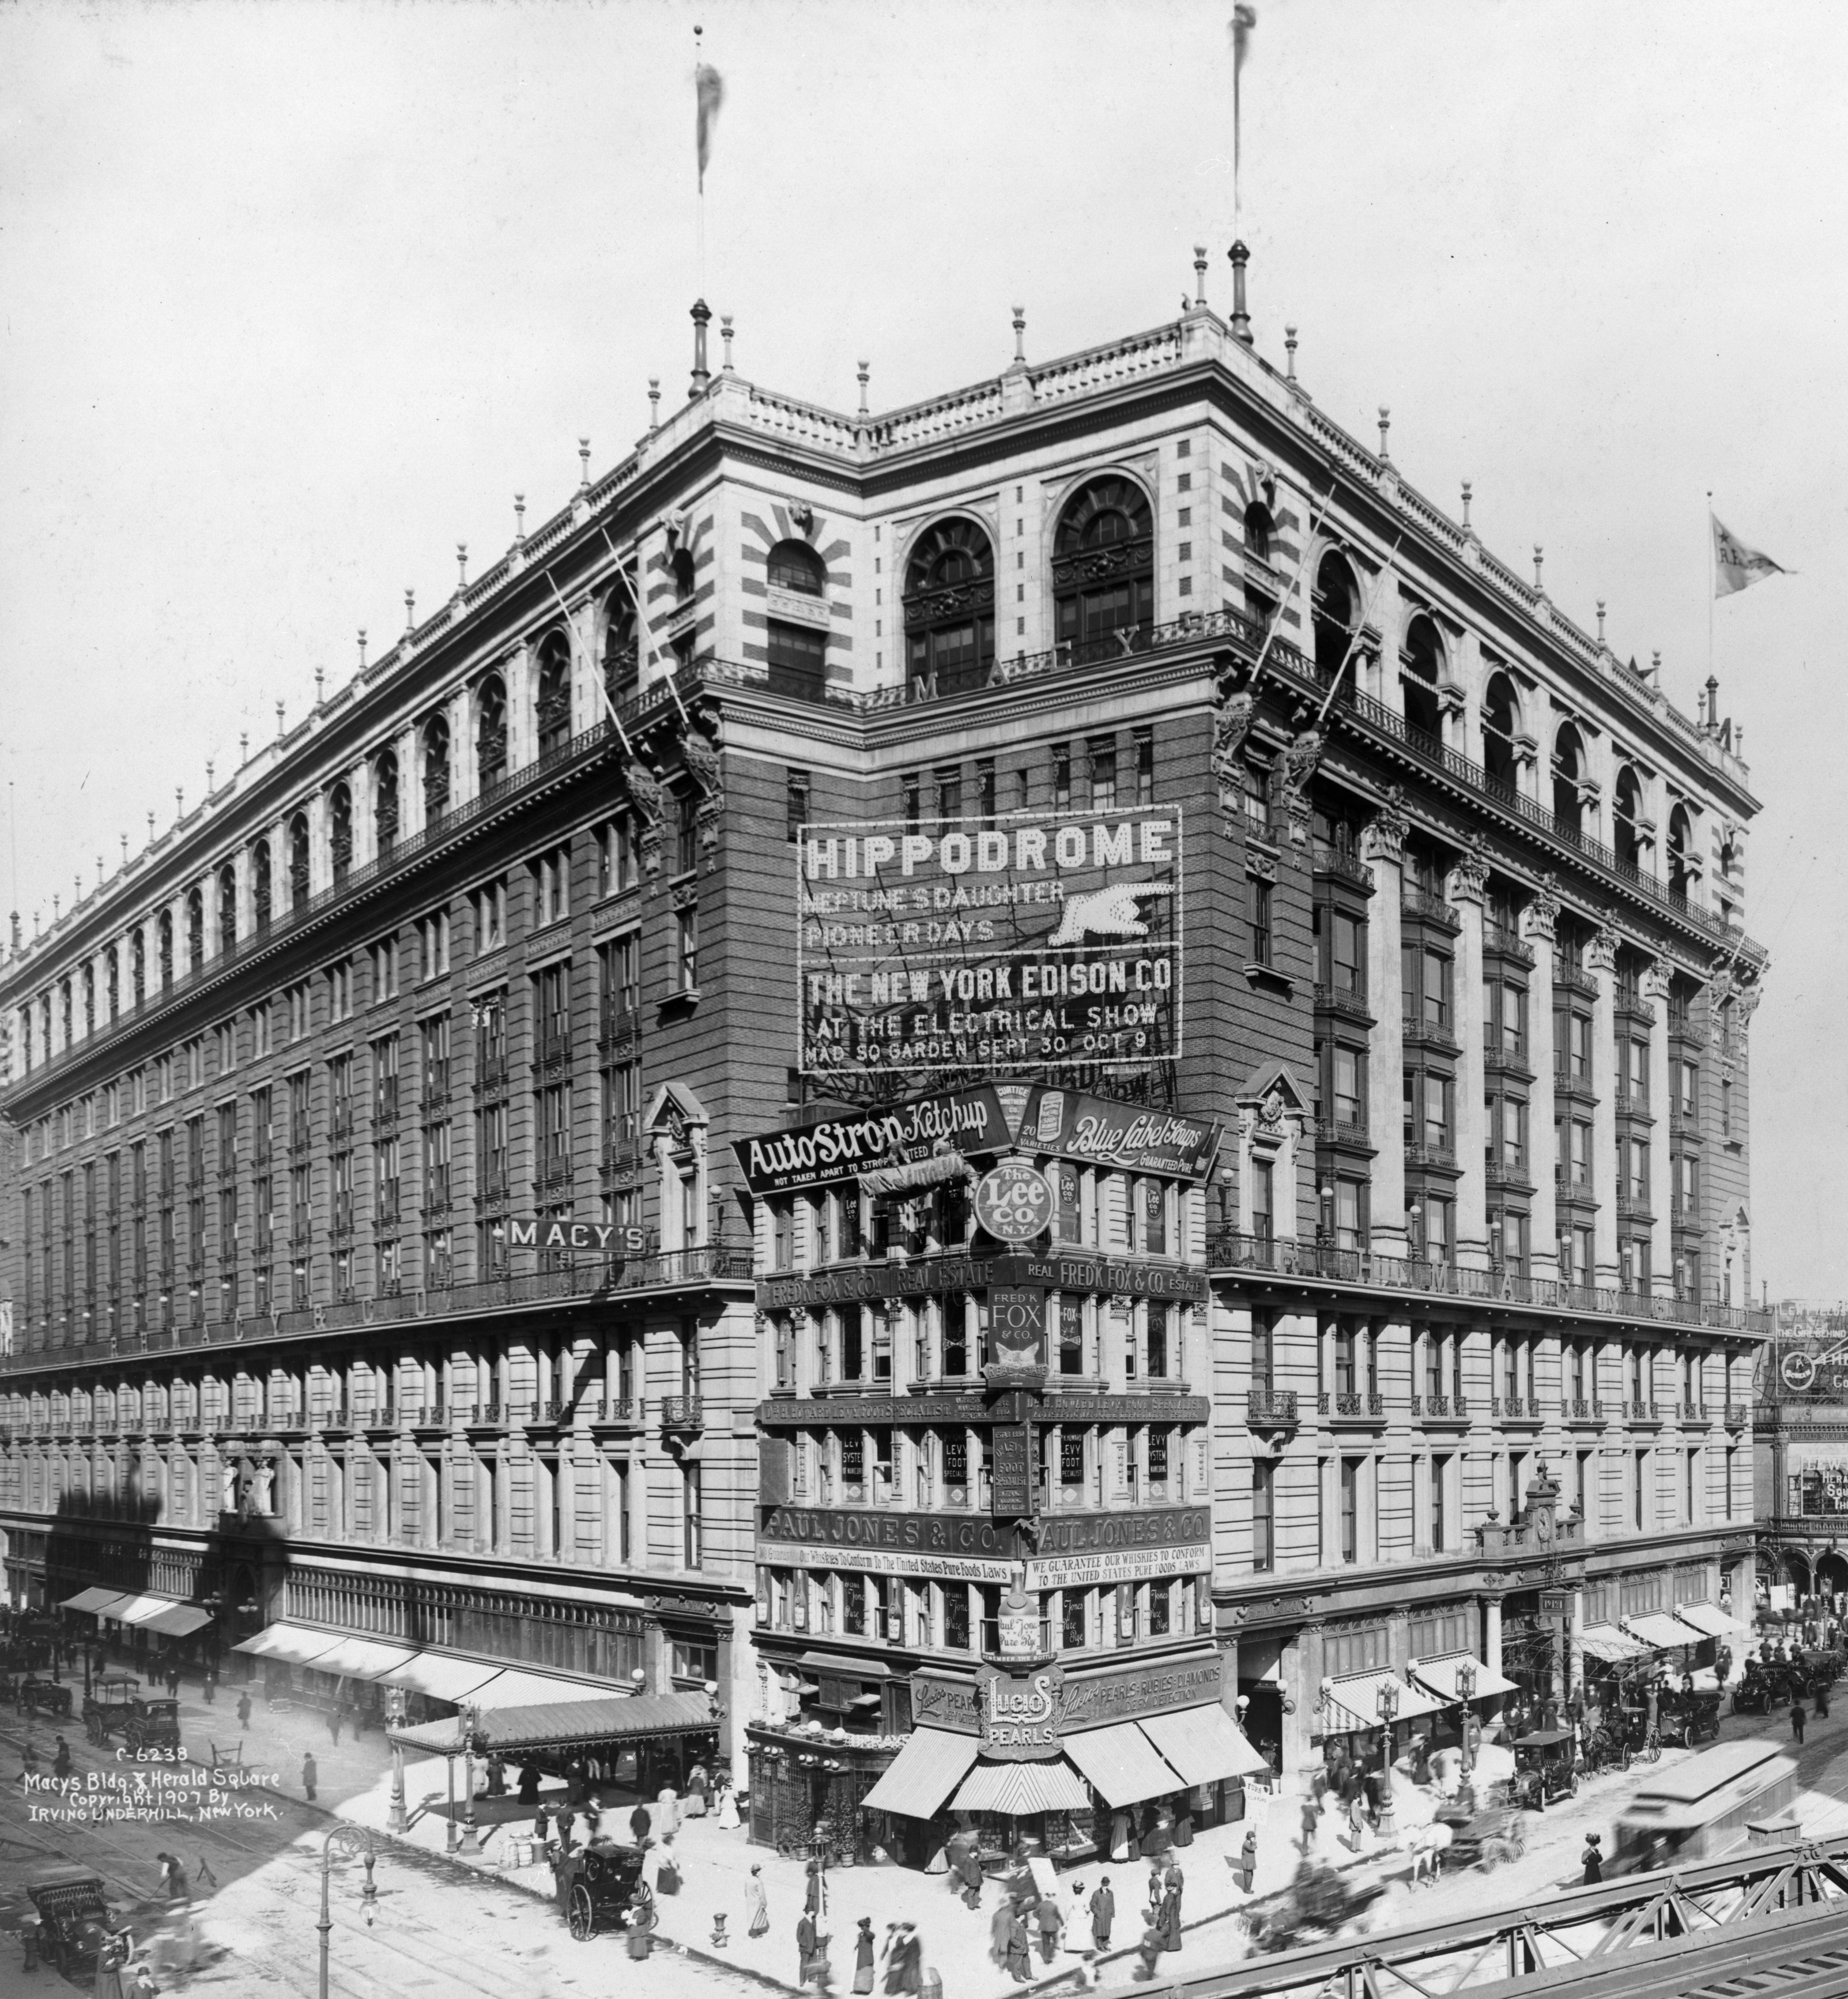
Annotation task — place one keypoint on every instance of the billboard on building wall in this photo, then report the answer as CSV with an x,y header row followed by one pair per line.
x,y
1024,942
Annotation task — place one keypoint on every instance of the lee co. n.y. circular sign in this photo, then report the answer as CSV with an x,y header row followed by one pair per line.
x,y
1013,1201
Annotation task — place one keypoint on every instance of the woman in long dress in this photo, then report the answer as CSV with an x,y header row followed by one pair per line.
x,y
757,1903
865,1949
726,1816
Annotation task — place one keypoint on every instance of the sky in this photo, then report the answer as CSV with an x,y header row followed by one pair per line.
x,y
295,298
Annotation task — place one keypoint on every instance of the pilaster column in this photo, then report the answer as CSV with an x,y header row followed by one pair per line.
x,y
1468,880
1382,846
1655,989
409,744
320,857
519,672
1492,1634
1301,1677
1600,959
1538,921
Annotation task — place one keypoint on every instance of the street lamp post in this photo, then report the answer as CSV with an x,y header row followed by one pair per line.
x,y
360,1842
1466,1687
471,1723
449,1834
1388,1713
394,1721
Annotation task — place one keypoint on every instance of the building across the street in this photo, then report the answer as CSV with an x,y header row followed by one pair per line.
x,y
1094,1195
1800,1419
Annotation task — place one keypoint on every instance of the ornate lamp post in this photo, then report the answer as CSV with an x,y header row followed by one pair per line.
x,y
1466,1687
1388,1713
472,1743
394,1721
359,1841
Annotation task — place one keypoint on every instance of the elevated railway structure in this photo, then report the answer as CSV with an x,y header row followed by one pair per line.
x,y
1770,1923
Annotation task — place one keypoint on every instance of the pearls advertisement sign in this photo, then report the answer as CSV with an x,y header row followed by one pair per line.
x,y
1022,942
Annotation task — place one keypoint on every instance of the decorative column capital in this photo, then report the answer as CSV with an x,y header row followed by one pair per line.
x,y
1469,878
1383,837
1654,983
1539,919
1600,951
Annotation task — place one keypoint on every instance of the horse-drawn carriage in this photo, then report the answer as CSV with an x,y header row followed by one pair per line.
x,y
115,1704
1319,1903
1486,1839
40,1696
596,1884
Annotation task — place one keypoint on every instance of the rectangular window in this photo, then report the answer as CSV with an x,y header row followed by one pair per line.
x,y
1257,906
1145,766
489,905
385,969
1580,1044
1062,777
385,1182
686,947
1264,1520
1581,1153
340,991
795,803
552,887
340,1095
1263,1181
1437,990
552,1012
436,1166
1103,752
433,1036
1347,954
1350,1510
949,800
385,1078
490,1039
1689,1096
551,1132
227,1047
490,1152
433,944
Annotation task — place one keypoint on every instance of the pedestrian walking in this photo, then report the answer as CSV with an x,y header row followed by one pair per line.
x,y
243,1712
999,1924
310,1776
667,1881
112,1963
1797,1718
639,1821
1171,1910
970,1871
336,1716
1821,1697
641,1918
814,1899
904,1970
61,1763
1019,1962
865,1949
1051,1922
757,1903
541,1822
1312,1817
210,1689
667,1813
1103,1914
1248,1860
1593,1860
1149,1951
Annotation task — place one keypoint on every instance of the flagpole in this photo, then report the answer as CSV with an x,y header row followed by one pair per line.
x,y
1712,583
699,195
1366,619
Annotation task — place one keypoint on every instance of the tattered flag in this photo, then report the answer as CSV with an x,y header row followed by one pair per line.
x,y
1734,566
710,87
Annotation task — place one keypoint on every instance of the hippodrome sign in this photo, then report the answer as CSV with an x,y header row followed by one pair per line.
x,y
1028,941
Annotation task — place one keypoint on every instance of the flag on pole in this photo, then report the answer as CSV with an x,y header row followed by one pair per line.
x,y
1244,19
1734,566
708,87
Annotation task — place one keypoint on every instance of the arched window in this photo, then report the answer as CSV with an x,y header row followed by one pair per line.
x,y
1500,719
112,980
1627,809
1418,673
436,767
1333,609
385,801
260,898
490,732
1259,529
796,654
622,667
680,566
138,958
340,831
227,909
949,607
1104,570
89,999
1680,850
298,860
163,930
1568,770
552,708
195,928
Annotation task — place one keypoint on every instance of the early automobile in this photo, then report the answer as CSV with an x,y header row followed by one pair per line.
x,y
73,1920
117,1706
1485,1839
595,1884
1546,1767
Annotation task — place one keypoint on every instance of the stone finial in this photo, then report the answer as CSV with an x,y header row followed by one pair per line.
x,y
461,566
1020,336
280,729
864,375
243,747
583,465
1655,670
319,684
409,610
179,802
361,649
701,316
150,829
1539,559
1200,274
100,871
123,838
1600,621
1289,349
1386,433
725,336
1469,490
655,404
1239,257
209,767
57,906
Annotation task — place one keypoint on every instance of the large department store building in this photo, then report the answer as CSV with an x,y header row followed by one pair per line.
x,y
417,1227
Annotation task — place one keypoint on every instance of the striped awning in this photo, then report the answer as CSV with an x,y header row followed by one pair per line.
x,y
92,1603
175,1620
608,1717
1714,1622
1665,1633
1353,1702
1204,1745
289,1644
1123,1764
1438,1676
363,1658
1018,1790
441,1676
931,1765
1605,1642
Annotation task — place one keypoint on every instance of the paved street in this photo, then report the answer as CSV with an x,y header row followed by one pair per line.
x,y
446,1926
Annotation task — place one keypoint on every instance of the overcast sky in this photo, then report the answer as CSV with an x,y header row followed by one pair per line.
x,y
295,298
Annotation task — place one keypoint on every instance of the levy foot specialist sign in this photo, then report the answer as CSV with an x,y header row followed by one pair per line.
x,y
1029,941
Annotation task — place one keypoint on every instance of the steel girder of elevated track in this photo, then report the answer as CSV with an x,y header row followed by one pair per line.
x,y
1771,1923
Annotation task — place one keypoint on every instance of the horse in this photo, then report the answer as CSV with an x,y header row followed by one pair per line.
x,y
1428,1846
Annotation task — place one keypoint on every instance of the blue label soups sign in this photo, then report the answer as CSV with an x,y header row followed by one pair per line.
x,y
1022,942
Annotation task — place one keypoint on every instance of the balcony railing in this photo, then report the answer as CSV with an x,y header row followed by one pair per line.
x,y
1229,1250
1510,943
1430,1155
681,1412
1432,908
1737,1415
1349,867
1348,999
1577,1409
1693,1415
1271,1408
1642,1412
1350,1405
1517,1409
1440,1408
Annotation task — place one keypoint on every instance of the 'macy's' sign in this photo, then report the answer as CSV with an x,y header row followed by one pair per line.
x,y
607,1238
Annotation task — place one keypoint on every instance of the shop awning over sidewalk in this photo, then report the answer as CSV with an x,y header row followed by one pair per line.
x,y
1353,1702
92,1602
1204,1744
1665,1633
569,1724
931,1764
1438,1677
165,1614
289,1644
1019,1790
1605,1642
1713,1622
441,1675
1122,1763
